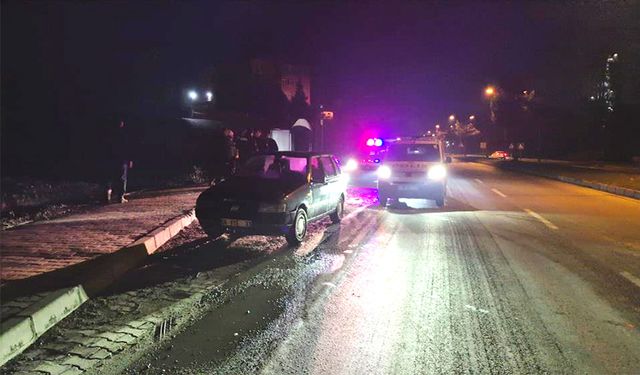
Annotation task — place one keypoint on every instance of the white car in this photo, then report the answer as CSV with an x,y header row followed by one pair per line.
x,y
413,168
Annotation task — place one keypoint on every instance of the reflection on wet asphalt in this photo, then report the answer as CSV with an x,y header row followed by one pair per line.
x,y
481,286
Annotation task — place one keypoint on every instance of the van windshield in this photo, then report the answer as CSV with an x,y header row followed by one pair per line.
x,y
405,152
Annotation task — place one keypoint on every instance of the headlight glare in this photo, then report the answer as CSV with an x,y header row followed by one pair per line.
x,y
384,172
437,172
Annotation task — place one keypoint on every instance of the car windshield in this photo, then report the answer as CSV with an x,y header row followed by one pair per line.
x,y
412,152
275,167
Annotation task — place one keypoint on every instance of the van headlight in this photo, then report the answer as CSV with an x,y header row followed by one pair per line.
x,y
272,207
437,172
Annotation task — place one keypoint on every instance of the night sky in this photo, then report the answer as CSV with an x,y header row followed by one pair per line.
x,y
67,66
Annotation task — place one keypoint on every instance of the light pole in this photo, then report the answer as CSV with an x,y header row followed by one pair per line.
x,y
490,92
193,95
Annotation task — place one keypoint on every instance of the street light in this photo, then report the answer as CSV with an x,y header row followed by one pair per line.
x,y
193,95
209,96
472,117
489,91
452,118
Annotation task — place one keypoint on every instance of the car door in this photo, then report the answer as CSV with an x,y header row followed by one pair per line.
x,y
332,179
317,204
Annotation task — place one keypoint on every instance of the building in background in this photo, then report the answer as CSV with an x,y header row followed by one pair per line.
x,y
262,91
289,76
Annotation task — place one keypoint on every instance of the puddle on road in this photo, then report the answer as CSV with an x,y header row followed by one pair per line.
x,y
212,339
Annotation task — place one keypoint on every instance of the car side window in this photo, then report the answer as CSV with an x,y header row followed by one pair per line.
x,y
317,174
328,167
336,164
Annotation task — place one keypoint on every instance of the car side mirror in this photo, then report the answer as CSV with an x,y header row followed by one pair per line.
x,y
447,159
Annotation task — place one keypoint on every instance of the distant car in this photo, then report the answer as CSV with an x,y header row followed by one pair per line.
x,y
414,168
277,193
366,163
499,155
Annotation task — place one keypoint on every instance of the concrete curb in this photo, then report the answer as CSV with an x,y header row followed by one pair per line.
x,y
630,193
22,329
617,190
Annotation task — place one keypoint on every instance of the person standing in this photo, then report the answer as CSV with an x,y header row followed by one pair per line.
x,y
245,145
264,144
230,153
121,163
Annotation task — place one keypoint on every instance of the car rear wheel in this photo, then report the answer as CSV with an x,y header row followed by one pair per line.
x,y
338,213
299,228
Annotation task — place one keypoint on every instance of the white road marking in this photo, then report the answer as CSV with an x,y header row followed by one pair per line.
x,y
478,180
631,278
503,195
476,309
542,219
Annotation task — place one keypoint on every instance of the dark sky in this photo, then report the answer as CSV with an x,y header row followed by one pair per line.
x,y
66,63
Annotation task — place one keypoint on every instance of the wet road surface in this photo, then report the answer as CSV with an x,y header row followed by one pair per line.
x,y
517,274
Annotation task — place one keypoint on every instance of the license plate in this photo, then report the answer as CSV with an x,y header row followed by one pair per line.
x,y
236,223
406,188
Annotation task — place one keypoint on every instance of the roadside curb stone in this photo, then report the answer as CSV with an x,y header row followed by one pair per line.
x,y
89,349
617,190
20,331
31,320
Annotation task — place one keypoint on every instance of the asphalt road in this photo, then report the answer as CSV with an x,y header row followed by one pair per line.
x,y
517,274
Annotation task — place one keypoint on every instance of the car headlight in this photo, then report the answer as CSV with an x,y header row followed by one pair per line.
x,y
384,172
351,165
437,172
272,207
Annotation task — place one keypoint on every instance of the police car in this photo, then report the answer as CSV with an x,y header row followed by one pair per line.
x,y
413,168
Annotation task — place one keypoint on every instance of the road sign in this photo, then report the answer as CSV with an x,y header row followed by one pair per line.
x,y
483,145
521,146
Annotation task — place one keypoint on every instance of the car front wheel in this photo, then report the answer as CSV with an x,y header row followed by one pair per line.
x,y
213,231
299,228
